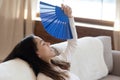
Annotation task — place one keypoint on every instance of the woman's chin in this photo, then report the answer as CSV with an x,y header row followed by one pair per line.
x,y
55,55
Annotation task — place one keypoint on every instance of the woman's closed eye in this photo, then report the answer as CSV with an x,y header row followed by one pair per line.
x,y
42,42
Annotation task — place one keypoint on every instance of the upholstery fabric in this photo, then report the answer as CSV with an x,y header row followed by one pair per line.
x,y
88,61
110,77
116,63
16,69
106,40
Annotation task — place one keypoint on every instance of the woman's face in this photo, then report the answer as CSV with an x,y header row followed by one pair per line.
x,y
45,52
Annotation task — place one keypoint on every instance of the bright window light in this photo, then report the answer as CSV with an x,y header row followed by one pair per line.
x,y
93,9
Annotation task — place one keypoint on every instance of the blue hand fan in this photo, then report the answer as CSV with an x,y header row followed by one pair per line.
x,y
55,22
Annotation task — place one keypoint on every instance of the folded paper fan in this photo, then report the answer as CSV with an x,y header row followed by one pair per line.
x,y
55,22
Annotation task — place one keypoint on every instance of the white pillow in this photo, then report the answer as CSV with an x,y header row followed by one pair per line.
x,y
16,69
88,61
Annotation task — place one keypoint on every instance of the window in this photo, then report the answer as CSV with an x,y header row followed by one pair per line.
x,y
94,9
88,10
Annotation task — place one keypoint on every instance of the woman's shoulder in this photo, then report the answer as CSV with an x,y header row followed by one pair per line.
x,y
42,76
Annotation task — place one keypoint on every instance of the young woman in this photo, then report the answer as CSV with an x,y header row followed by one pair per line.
x,y
46,62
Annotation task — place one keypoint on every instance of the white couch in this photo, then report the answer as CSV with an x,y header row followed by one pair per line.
x,y
93,60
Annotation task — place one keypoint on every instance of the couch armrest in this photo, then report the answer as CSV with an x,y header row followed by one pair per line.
x,y
116,62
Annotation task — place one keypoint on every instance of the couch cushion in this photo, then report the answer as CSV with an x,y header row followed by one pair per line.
x,y
110,77
16,69
88,61
106,40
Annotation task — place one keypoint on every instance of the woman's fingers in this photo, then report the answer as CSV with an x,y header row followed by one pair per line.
x,y
67,10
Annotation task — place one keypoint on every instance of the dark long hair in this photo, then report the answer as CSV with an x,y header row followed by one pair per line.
x,y
26,50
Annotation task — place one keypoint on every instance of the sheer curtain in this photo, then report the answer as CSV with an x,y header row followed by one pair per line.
x,y
15,23
117,27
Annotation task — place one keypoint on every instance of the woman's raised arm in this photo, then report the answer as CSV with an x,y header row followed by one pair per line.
x,y
72,43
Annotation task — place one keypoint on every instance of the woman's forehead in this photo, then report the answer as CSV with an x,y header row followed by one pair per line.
x,y
36,37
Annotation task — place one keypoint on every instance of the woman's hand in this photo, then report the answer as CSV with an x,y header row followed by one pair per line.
x,y
67,10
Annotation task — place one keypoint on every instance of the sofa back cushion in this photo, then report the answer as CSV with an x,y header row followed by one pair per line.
x,y
88,61
106,40
16,69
